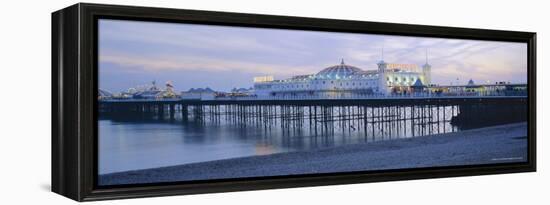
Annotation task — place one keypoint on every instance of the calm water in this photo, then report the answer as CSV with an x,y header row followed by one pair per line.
x,y
138,144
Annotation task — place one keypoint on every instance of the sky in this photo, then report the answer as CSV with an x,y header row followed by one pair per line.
x,y
133,53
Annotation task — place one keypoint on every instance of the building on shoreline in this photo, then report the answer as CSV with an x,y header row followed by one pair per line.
x,y
344,80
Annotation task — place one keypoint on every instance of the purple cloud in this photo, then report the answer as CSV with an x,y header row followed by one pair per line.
x,y
221,57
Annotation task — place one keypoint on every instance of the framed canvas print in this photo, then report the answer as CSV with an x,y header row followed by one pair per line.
x,y
154,101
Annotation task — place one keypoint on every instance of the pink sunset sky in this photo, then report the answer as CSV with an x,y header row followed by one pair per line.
x,y
220,57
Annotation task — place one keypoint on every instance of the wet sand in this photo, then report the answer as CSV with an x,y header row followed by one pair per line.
x,y
496,144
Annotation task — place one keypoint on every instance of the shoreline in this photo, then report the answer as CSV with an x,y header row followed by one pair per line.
x,y
490,145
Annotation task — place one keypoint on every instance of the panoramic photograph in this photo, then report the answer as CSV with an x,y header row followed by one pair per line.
x,y
182,102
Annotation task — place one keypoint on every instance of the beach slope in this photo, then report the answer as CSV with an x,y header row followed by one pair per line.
x,y
496,144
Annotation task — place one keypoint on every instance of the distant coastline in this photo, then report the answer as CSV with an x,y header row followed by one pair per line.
x,y
489,145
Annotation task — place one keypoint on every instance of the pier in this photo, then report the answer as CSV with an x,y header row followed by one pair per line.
x,y
391,116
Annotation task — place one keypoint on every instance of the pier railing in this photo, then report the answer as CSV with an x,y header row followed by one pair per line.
x,y
334,97
362,97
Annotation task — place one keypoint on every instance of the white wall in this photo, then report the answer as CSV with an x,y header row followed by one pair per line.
x,y
25,66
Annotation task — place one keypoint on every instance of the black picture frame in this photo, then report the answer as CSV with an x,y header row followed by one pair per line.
x,y
74,100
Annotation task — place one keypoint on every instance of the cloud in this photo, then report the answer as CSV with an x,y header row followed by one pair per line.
x,y
148,47
453,58
197,63
189,36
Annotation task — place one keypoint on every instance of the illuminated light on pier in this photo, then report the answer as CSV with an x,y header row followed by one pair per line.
x,y
261,79
409,67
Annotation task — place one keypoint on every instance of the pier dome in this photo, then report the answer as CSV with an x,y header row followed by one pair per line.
x,y
338,71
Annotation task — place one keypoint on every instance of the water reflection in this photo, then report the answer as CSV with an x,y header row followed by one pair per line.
x,y
147,140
